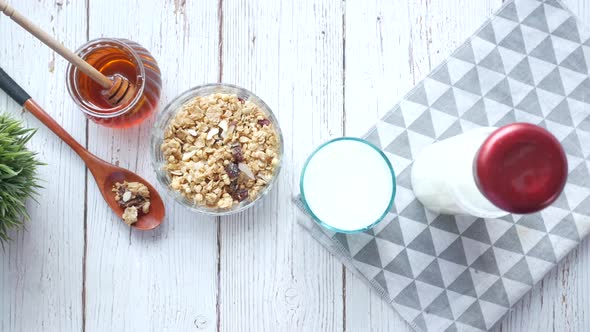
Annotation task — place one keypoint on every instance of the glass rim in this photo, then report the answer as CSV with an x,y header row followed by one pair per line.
x,y
178,101
330,227
72,84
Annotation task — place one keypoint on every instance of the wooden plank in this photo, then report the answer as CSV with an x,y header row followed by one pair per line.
x,y
163,280
390,46
41,270
274,276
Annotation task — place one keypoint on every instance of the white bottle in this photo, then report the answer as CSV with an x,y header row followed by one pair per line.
x,y
490,172
442,176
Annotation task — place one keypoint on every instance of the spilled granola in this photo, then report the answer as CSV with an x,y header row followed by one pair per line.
x,y
134,197
220,150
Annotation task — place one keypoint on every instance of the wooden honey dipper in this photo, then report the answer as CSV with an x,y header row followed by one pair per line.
x,y
117,90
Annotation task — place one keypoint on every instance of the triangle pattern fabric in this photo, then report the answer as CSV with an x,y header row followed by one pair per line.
x,y
419,261
473,317
400,265
380,279
470,82
464,284
442,239
423,243
501,93
493,61
580,176
515,290
445,222
477,114
369,254
418,95
482,281
534,221
441,307
478,231
520,272
554,3
543,250
401,146
465,53
506,259
373,138
442,74
497,294
341,238
509,12
510,241
446,103
487,33
522,72
537,19
459,303
514,41
529,63
432,275
423,125
568,30
455,253
473,249
530,104
453,130
450,271
392,233
427,293
497,228
414,211
561,114
545,51
486,263
387,251
409,297
581,92
576,61
395,117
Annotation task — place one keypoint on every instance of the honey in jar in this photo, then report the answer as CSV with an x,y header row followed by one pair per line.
x,y
114,57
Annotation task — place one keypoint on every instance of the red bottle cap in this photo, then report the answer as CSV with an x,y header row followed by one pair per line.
x,y
521,168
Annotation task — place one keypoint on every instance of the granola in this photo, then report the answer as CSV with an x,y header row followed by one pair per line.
x,y
134,197
220,150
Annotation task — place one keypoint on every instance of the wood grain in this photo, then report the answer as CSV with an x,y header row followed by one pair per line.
x,y
274,276
164,280
41,270
325,68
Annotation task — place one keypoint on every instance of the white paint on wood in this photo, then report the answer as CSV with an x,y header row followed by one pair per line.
x,y
274,276
163,280
41,270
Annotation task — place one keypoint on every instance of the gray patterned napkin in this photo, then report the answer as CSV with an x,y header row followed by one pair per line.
x,y
528,63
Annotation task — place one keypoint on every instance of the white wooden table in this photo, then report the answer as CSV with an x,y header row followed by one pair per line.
x,y
327,68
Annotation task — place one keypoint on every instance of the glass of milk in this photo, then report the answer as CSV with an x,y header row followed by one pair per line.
x,y
347,185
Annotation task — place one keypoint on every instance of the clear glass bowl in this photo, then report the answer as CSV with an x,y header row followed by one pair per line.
x,y
163,119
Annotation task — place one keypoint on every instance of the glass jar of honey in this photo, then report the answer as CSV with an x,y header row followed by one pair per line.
x,y
114,57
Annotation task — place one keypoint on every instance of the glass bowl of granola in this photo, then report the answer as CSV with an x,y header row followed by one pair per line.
x,y
217,149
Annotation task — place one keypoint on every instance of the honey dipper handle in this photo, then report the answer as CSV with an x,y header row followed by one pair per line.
x,y
44,37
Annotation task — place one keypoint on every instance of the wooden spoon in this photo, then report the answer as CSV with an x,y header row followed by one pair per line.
x,y
117,90
105,174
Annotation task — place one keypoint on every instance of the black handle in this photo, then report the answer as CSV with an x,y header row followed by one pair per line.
x,y
12,88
